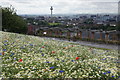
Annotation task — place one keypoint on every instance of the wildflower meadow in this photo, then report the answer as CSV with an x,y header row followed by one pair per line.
x,y
25,56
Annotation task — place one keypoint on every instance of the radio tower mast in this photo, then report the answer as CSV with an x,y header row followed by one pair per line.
x,y
51,8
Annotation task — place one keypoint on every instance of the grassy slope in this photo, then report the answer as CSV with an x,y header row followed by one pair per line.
x,y
39,54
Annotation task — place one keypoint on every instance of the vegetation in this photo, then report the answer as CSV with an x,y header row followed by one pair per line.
x,y
33,57
54,24
12,22
105,28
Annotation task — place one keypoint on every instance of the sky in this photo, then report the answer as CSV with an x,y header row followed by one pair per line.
x,y
62,6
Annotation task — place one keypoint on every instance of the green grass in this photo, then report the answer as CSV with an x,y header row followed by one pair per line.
x,y
54,24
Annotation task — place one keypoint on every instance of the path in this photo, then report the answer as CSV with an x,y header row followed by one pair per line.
x,y
92,44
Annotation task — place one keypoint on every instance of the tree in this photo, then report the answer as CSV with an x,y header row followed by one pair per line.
x,y
12,22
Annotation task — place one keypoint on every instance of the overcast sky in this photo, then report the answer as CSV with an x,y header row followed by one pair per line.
x,y
62,6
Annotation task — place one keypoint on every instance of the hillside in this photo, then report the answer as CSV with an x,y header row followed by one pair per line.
x,y
25,56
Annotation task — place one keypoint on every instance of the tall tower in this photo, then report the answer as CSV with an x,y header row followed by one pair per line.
x,y
51,8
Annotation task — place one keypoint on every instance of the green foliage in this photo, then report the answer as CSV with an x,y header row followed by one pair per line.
x,y
30,20
43,23
106,27
12,22
54,24
89,21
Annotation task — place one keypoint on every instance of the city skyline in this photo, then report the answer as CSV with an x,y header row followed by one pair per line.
x,y
63,6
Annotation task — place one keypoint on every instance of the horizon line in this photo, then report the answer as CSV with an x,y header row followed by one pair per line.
x,y
68,14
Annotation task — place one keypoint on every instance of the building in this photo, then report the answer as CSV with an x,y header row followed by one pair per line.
x,y
32,29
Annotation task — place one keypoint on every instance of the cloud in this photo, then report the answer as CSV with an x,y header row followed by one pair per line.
x,y
62,6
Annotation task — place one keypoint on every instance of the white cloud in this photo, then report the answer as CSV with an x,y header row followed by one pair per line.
x,y
62,6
